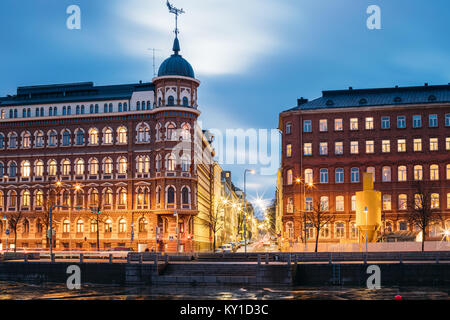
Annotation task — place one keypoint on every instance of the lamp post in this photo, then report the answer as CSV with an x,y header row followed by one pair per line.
x,y
366,212
245,206
310,185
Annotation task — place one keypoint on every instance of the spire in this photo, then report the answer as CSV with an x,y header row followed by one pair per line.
x,y
176,46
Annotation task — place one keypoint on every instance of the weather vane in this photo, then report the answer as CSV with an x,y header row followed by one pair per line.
x,y
176,12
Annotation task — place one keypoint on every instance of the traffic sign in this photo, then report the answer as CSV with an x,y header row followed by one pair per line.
x,y
7,232
175,213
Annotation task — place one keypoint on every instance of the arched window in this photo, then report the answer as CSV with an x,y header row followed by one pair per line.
x,y
122,197
108,226
158,195
93,166
80,137
78,110
108,197
13,169
39,139
143,225
26,199
355,175
185,102
53,139
82,109
2,141
2,170
105,108
93,136
93,198
434,172
386,174
80,226
26,169
339,175
39,200
52,168
108,136
170,163
26,226
185,196
143,133
170,195
143,164
122,226
418,172
91,109
12,141
66,226
402,174
353,199
26,140
66,168
79,198
435,201
340,230
39,226
170,101
123,166
94,226
290,230
387,202
186,163
158,132
171,132
158,161
122,135
12,199
79,167
66,198
120,107
388,227
108,164
149,105
186,132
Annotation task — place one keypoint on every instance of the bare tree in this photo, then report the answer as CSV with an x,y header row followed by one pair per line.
x,y
421,210
319,216
215,222
13,221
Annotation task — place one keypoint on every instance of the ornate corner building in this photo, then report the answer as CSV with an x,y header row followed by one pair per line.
x,y
402,135
115,148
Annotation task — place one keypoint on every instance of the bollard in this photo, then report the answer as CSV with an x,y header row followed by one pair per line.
x,y
110,258
267,258
141,258
81,258
259,259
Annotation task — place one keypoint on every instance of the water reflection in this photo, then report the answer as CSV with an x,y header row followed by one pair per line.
x,y
29,291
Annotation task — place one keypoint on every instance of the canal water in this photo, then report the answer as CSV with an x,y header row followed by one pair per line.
x,y
29,291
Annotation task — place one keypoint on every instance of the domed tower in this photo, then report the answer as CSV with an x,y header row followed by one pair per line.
x,y
176,180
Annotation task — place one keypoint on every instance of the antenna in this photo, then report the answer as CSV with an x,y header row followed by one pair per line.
x,y
154,64
176,12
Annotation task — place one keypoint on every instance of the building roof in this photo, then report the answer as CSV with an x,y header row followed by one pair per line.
x,y
72,92
352,98
176,65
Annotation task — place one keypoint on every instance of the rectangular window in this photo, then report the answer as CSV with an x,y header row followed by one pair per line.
x,y
447,143
401,145
340,175
323,125
369,123
387,202
353,203
370,146
401,122
307,126
386,146
289,150
417,144
323,148
433,120
355,175
385,123
354,124
308,204
417,121
448,200
354,147
339,148
323,175
338,125
288,127
434,144
307,149
447,120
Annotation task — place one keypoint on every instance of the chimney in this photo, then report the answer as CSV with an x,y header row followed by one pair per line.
x,y
301,101
350,88
426,84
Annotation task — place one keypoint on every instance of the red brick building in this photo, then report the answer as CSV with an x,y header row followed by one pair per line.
x,y
113,147
400,134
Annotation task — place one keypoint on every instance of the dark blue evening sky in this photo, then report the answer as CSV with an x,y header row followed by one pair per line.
x,y
254,57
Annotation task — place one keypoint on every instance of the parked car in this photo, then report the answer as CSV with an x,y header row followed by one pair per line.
x,y
219,250
228,248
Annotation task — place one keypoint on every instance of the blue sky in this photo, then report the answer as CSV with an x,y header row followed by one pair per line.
x,y
254,57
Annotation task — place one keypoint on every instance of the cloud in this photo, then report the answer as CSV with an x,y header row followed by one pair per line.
x,y
217,37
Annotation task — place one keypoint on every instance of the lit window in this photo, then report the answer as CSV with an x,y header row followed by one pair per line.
x,y
324,203
417,145
323,148
52,168
386,146
325,231
435,201
66,168
289,177
308,204
447,143
339,148
170,164
26,140
122,226
26,199
123,166
433,120
354,124
354,203
307,149
122,135
354,147
372,171
338,125
386,174
401,145
39,169
80,226
434,145
108,166
385,122
323,175
66,226
340,203
434,172
354,230
418,172
26,168
323,125
370,146
171,132
93,137
340,230
307,126
417,121
39,198
309,178
369,123
108,136
402,174
402,202
289,150
387,202
448,172
79,167
93,166
339,175
448,200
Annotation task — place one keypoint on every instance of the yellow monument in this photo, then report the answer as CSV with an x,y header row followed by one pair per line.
x,y
368,210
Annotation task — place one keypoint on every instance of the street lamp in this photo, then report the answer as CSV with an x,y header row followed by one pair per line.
x,y
366,212
245,206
